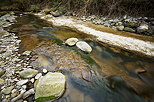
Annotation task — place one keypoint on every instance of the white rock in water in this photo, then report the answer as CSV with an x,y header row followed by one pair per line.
x,y
71,41
82,45
50,87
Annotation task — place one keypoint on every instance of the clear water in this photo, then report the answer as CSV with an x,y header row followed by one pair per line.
x,y
112,70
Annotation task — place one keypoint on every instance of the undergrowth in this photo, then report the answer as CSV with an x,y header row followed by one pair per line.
x,y
85,7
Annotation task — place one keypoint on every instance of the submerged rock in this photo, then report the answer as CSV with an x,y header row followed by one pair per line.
x,y
28,73
44,62
50,87
71,41
82,45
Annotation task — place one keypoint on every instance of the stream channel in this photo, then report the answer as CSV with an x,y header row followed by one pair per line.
x,y
115,77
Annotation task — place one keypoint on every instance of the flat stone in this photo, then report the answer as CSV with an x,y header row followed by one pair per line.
x,y
50,87
71,41
82,45
22,82
28,73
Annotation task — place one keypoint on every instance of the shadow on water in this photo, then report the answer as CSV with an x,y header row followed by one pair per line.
x,y
109,68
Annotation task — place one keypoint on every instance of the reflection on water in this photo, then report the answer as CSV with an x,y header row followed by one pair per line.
x,y
105,64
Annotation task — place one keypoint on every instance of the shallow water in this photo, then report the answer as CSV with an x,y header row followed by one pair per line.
x,y
110,68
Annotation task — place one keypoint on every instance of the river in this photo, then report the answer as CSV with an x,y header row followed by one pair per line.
x,y
117,75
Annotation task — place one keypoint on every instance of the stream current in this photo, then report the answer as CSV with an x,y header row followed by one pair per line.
x,y
116,77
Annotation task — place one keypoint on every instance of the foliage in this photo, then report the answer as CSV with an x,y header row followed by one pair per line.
x,y
88,7
34,8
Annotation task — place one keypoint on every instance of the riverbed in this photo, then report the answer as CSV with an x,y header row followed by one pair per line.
x,y
116,75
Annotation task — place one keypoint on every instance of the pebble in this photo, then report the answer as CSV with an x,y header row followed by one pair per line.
x,y
45,71
38,76
24,87
27,53
32,80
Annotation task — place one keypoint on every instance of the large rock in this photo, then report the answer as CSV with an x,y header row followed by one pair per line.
x,y
28,73
82,45
142,28
50,87
71,41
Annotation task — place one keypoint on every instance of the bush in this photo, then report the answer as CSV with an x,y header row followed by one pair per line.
x,y
34,8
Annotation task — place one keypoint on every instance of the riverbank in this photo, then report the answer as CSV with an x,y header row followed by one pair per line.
x,y
131,43
17,76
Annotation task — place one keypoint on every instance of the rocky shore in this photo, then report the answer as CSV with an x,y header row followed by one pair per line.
x,y
140,25
19,81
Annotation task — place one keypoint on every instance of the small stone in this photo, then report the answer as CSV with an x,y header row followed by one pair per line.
x,y
14,92
28,73
2,72
45,71
27,53
28,93
7,90
22,82
140,70
1,81
7,96
32,80
18,97
38,76
120,27
24,87
142,28
18,65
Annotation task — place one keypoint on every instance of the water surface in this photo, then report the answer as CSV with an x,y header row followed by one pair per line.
x,y
110,68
